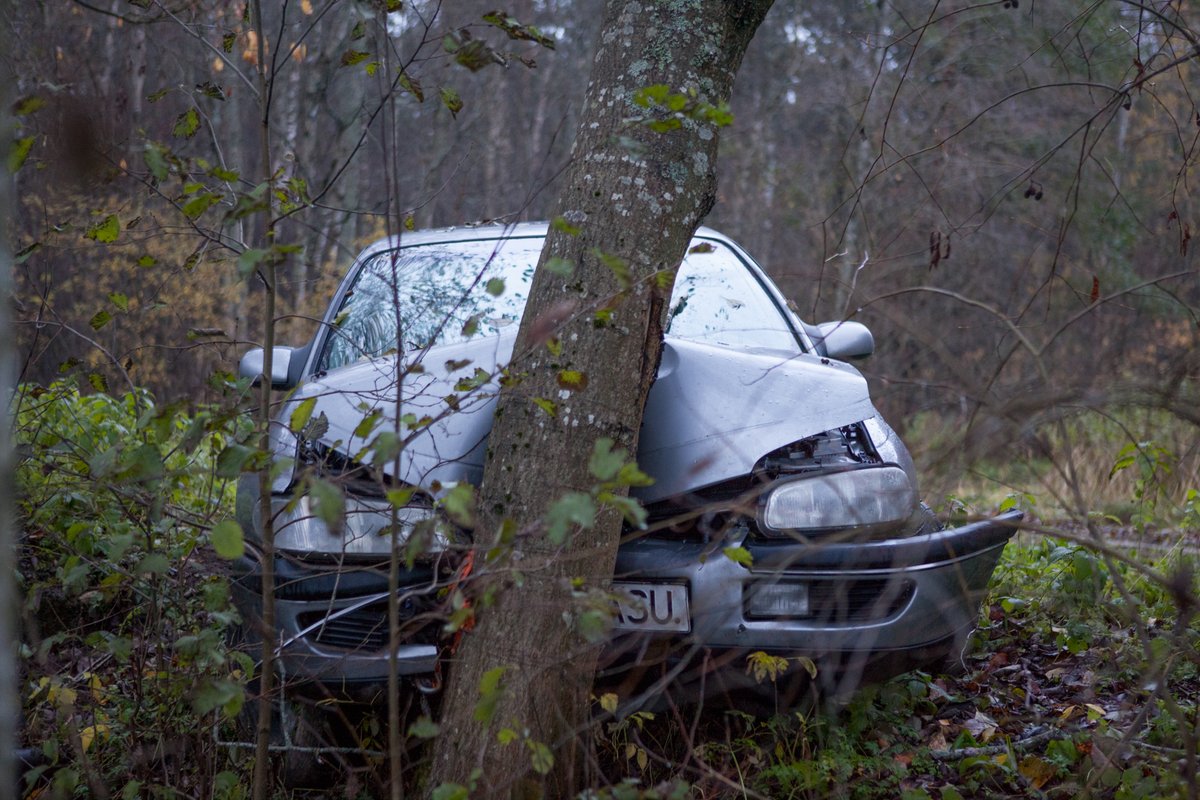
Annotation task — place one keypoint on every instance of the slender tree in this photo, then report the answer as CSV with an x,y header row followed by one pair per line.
x,y
640,181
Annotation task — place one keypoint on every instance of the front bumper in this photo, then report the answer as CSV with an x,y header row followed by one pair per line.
x,y
893,596
890,595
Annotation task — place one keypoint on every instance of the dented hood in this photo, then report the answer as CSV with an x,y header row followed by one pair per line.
x,y
711,414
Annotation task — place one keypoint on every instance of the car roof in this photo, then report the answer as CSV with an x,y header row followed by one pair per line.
x,y
482,231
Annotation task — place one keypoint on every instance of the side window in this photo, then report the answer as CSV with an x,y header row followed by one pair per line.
x,y
718,300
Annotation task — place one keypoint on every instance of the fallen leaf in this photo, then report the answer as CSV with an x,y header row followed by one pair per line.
x,y
982,727
1036,771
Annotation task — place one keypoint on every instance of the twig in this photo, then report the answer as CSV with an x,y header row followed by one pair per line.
x,y
1037,735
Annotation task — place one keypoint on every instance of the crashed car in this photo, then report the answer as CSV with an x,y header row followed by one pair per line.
x,y
761,442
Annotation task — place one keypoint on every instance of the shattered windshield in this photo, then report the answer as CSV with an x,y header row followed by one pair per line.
x,y
446,293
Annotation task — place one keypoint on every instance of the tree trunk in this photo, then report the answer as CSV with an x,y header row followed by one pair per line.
x,y
636,196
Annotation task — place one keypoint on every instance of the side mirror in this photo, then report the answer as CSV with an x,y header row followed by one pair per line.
x,y
251,366
845,340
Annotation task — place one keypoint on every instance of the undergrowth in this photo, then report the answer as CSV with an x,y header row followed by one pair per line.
x,y
1082,679
124,664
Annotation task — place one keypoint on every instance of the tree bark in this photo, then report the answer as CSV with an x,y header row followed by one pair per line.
x,y
636,197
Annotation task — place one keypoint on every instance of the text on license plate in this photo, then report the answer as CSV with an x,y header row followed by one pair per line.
x,y
652,607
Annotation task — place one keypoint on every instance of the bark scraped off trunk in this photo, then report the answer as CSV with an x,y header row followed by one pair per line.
x,y
586,356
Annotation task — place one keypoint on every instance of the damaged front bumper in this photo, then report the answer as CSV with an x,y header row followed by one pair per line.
x,y
911,595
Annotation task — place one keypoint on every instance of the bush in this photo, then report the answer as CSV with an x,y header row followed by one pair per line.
x,y
125,667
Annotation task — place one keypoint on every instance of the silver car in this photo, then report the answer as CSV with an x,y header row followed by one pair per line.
x,y
784,517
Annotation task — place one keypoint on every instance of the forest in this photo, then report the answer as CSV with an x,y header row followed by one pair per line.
x,y
1003,192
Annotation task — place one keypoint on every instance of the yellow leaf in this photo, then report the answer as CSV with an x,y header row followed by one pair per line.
x,y
642,758
1037,771
62,696
608,702
90,734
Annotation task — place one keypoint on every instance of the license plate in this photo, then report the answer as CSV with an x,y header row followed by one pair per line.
x,y
652,607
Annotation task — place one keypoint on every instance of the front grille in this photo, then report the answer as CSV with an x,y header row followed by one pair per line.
x,y
366,628
847,602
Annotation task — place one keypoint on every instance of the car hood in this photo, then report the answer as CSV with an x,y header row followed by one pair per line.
x,y
711,415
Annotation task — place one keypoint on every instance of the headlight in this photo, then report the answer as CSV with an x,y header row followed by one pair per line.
x,y
365,532
850,500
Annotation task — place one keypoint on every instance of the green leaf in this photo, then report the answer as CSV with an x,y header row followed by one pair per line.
x,y
367,425
142,463
572,380
28,105
424,728
562,225
475,55
490,691
459,504
301,414
495,287
452,101
541,757
153,564
98,381
234,459
605,462
546,405
352,57
560,266
328,503
573,508
630,508
399,498
249,260
186,124
594,625
413,87
516,30
385,448
223,694
105,231
211,90
19,152
156,161
450,791
651,95
199,204
100,319
226,537
739,555
477,379
119,300
22,255
617,266
227,42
